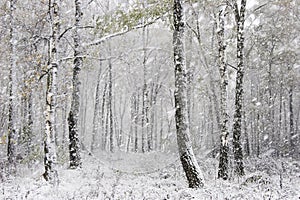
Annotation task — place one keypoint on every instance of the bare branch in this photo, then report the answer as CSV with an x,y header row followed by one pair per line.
x,y
72,27
259,7
231,66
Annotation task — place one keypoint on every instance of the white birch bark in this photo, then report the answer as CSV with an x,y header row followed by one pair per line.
x,y
237,126
223,160
50,159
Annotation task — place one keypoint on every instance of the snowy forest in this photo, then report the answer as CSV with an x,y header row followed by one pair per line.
x,y
149,99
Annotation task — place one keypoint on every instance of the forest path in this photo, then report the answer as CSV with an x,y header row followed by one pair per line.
x,y
139,176
151,176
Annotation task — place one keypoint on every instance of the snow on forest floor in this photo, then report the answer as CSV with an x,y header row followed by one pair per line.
x,y
154,176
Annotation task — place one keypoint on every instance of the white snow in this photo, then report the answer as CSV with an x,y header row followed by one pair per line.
x,y
154,176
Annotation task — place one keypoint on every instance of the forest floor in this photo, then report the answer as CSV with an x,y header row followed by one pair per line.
x,y
156,176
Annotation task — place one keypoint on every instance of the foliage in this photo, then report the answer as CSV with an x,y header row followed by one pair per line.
x,y
121,19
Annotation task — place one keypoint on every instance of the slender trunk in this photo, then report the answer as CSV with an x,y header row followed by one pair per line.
x,y
83,108
122,110
106,126
237,126
223,161
29,122
103,128
110,99
96,111
144,117
210,126
151,120
152,137
64,120
132,111
258,125
187,157
12,132
161,124
50,159
279,131
291,124
247,143
136,119
145,96
190,80
74,140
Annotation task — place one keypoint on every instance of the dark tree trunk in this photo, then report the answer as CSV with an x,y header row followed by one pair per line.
x,y
74,141
223,162
292,138
187,157
12,132
237,126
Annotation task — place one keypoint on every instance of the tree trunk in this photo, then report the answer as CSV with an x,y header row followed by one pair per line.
x,y
161,125
145,96
103,127
223,162
50,159
74,141
136,119
110,99
122,110
96,111
239,92
292,136
12,132
187,157
132,111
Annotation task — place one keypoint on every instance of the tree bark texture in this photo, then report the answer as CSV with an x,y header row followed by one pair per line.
x,y
74,141
237,126
187,157
50,159
223,160
12,132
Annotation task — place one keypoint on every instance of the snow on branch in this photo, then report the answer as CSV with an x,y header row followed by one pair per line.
x,y
99,41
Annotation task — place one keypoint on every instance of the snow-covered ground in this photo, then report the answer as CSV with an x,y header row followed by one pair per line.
x,y
154,176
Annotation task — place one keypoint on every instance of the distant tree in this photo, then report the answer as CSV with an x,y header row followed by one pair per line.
x,y
96,110
12,132
187,157
110,106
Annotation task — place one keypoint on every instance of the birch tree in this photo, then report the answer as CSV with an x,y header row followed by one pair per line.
x,y
223,162
12,132
239,92
74,143
187,157
50,159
